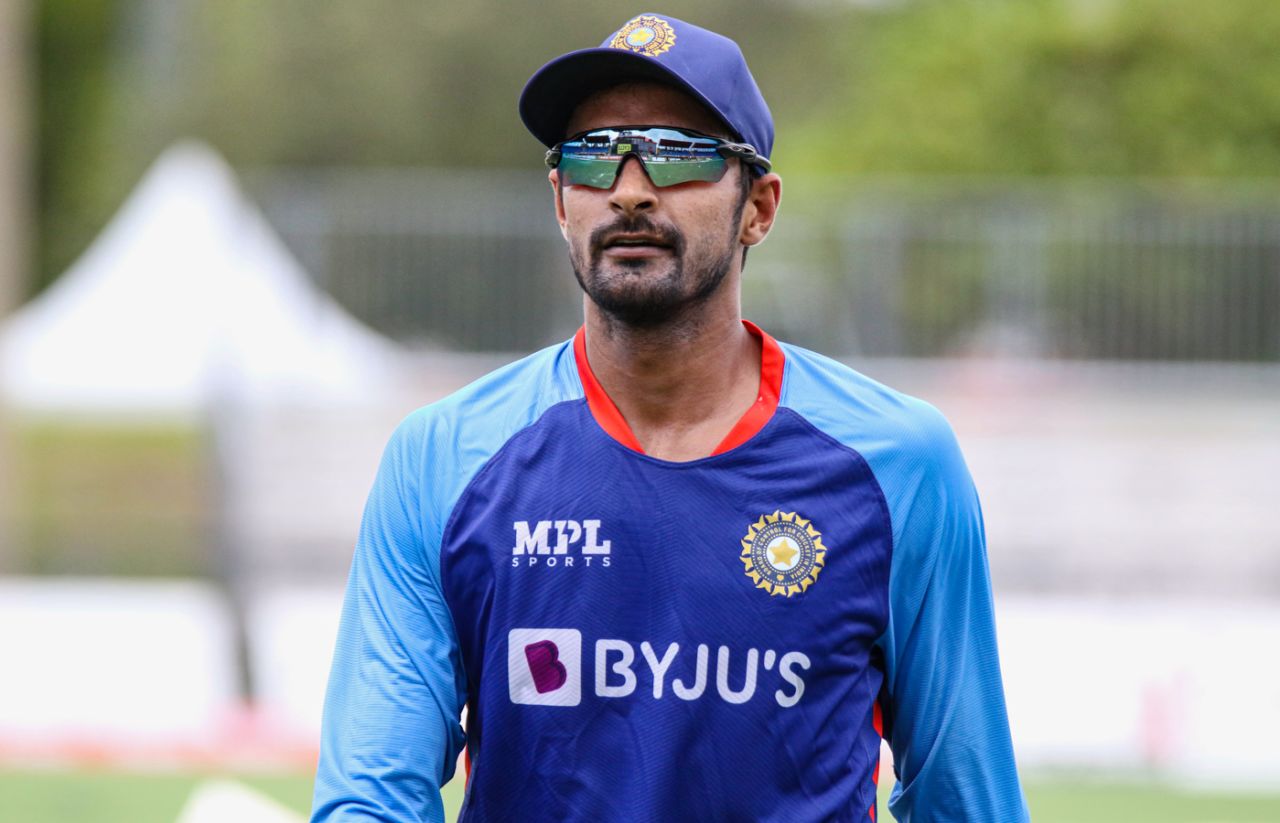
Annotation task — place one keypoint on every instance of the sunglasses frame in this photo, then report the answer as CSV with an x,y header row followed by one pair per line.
x,y
725,148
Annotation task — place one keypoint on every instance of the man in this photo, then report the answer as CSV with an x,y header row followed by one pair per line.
x,y
674,569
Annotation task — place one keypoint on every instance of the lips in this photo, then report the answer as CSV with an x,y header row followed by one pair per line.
x,y
636,241
636,238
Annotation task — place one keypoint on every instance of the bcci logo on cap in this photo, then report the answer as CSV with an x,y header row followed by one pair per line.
x,y
783,553
646,34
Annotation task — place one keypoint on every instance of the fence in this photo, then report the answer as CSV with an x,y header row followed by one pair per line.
x,y
1118,270
467,260
1078,271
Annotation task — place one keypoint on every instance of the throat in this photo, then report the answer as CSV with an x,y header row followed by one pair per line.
x,y
680,443
677,381
683,401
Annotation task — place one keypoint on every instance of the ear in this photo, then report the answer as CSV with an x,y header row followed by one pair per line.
x,y
761,208
558,196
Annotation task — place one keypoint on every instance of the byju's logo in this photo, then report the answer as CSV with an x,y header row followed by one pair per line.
x,y
544,666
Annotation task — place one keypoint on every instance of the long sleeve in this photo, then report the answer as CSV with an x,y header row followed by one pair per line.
x,y
945,710
391,734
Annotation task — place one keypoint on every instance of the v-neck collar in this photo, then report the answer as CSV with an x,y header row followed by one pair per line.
x,y
753,420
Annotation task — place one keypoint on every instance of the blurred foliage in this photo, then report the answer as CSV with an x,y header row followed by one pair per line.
x,y
1062,87
374,82
395,82
103,499
1018,87
305,83
74,192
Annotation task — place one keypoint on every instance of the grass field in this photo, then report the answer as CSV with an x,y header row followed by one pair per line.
x,y
114,797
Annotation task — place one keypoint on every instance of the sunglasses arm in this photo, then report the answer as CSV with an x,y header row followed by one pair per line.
x,y
746,153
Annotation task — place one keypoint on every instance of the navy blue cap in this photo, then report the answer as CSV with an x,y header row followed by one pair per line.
x,y
655,48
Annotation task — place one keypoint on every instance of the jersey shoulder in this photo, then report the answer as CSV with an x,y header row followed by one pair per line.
x,y
859,412
487,412
908,445
443,445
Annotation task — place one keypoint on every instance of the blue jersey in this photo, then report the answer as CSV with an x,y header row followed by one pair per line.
x,y
642,640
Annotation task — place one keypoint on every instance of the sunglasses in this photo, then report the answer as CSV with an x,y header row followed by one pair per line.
x,y
669,156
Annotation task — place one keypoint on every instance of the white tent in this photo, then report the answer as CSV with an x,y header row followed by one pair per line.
x,y
187,299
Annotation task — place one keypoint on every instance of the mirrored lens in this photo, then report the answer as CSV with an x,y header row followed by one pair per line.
x,y
596,172
686,171
669,156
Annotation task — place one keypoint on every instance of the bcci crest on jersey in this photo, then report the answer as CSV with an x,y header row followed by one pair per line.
x,y
783,553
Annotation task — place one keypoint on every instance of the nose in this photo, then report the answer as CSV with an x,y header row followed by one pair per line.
x,y
632,191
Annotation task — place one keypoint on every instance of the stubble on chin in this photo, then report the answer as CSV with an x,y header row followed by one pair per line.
x,y
652,292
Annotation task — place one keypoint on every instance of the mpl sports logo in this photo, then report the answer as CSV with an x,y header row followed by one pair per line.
x,y
544,668
559,544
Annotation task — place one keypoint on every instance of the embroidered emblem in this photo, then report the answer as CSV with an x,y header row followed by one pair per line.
x,y
783,553
646,34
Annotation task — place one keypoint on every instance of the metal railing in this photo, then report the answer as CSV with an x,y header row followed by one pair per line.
x,y
918,268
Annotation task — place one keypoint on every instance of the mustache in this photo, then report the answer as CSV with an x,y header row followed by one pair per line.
x,y
637,224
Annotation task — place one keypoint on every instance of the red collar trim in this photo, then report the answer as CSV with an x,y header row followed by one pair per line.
x,y
772,361
602,408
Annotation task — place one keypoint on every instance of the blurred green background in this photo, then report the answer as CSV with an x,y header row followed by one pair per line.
x,y
1165,88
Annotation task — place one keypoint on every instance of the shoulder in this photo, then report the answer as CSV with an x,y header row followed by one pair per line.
x,y
907,444
438,448
488,411
861,413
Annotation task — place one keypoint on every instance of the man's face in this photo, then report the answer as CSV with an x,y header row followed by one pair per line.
x,y
644,254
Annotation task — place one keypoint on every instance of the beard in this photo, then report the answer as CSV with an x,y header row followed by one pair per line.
x,y
651,292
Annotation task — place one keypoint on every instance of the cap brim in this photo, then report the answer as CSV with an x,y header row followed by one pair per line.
x,y
556,89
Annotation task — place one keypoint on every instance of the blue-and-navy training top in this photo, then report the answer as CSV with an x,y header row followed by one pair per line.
x,y
724,639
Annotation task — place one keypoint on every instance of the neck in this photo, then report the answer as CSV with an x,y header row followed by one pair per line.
x,y
682,385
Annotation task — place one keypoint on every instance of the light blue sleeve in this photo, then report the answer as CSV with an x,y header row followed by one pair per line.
x,y
391,732
945,713
946,718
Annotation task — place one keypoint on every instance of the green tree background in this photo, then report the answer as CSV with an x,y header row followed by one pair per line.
x,y
1057,87
990,87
